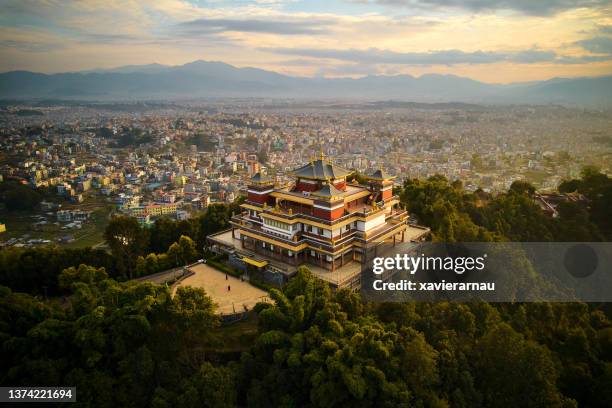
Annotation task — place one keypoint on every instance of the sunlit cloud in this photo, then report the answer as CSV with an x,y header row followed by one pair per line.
x,y
522,40
530,7
281,26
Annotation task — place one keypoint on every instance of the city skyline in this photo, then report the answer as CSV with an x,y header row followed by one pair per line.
x,y
489,41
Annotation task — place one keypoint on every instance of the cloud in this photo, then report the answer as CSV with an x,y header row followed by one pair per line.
x,y
301,62
530,7
284,26
583,59
444,57
318,39
102,38
355,70
31,46
528,56
598,45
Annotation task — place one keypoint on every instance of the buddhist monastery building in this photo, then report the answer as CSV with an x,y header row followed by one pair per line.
x,y
320,220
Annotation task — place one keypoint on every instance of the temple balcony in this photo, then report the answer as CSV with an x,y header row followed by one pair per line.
x,y
300,237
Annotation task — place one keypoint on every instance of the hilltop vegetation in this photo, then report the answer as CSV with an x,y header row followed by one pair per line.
x,y
130,344
455,215
35,270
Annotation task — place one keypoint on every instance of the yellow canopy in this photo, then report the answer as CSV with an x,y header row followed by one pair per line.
x,y
259,264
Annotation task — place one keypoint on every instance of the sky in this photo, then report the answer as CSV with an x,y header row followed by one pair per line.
x,y
496,41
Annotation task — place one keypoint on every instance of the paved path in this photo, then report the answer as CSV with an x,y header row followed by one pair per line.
x,y
160,278
215,284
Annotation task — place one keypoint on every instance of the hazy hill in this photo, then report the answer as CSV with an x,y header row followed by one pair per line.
x,y
201,79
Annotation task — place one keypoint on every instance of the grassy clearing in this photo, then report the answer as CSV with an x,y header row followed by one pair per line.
x,y
20,225
92,233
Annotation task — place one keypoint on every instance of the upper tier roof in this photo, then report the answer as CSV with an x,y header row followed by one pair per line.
x,y
380,174
320,170
327,191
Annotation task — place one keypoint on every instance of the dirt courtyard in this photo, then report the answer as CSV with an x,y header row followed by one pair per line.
x,y
214,283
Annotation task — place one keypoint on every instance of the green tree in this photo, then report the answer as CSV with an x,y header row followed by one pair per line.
x,y
17,197
175,254
188,250
84,274
522,187
166,231
152,263
216,218
141,267
127,240
36,270
516,372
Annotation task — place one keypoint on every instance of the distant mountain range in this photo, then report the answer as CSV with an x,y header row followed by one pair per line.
x,y
204,79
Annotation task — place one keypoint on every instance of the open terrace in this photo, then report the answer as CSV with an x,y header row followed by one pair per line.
x,y
240,295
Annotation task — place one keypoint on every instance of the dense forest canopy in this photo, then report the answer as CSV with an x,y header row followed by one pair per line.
x,y
134,345
129,344
35,270
455,215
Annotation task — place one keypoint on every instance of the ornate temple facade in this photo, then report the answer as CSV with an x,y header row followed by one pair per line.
x,y
320,220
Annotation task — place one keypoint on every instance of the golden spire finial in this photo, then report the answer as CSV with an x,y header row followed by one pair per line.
x,y
321,150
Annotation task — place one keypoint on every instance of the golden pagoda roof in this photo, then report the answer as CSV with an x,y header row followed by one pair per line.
x,y
320,169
